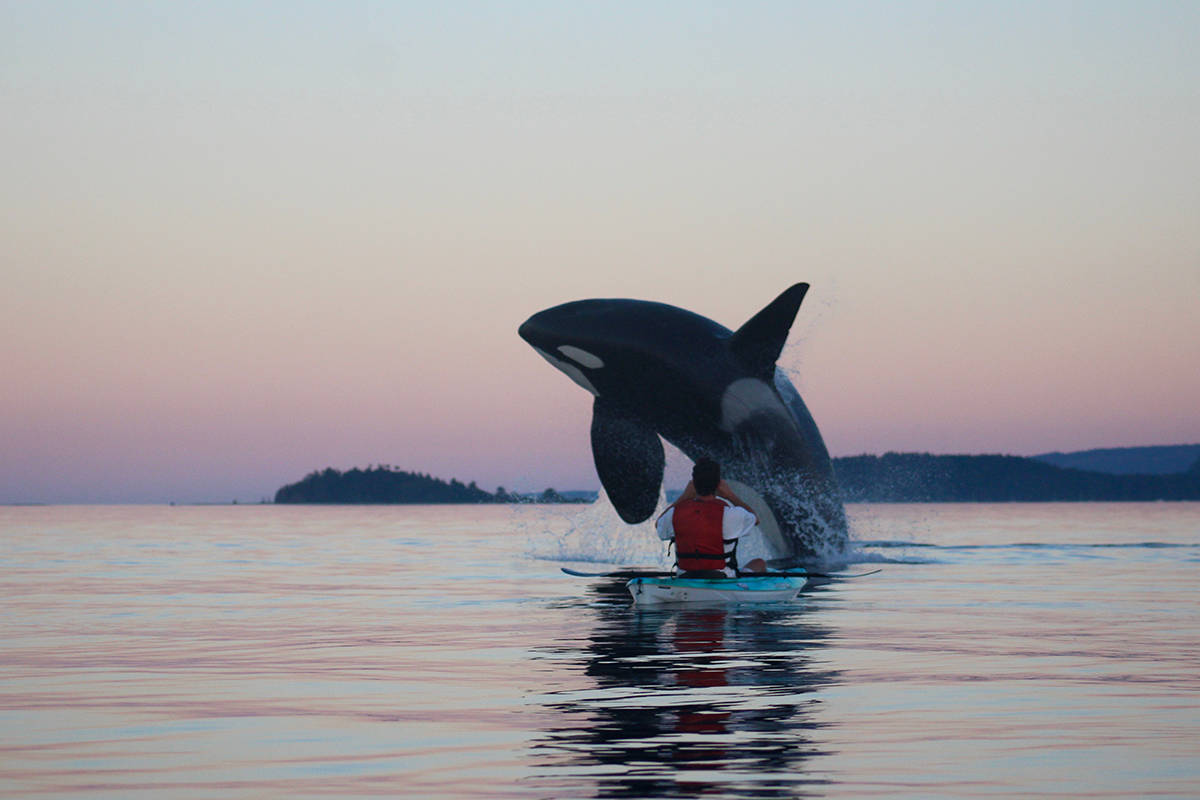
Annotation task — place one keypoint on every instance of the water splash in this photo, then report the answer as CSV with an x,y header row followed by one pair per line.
x,y
594,534
858,553
799,524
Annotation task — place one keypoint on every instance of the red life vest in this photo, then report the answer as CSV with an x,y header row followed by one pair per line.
x,y
699,534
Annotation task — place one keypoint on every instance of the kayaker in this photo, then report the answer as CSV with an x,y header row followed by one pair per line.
x,y
705,524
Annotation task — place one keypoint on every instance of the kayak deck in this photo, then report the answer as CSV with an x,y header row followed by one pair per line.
x,y
745,589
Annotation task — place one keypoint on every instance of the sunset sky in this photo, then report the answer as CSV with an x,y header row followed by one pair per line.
x,y
241,241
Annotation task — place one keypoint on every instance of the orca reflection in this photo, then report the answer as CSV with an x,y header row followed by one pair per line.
x,y
657,370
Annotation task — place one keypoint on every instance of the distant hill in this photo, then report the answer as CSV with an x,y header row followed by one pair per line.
x,y
385,484
923,478
890,478
1162,460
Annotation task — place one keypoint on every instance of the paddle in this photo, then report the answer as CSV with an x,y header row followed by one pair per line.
x,y
640,573
627,573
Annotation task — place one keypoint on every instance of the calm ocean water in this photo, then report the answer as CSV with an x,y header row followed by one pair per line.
x,y
250,652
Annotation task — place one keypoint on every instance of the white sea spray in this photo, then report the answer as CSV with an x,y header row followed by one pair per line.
x,y
594,533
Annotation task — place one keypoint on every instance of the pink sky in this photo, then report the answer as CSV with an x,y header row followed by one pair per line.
x,y
239,245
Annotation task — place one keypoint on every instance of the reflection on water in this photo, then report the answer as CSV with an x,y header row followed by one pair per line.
x,y
705,701
299,652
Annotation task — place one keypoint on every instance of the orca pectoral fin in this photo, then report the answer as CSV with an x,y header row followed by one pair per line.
x,y
629,460
758,343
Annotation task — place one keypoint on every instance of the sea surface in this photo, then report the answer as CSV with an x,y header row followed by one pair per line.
x,y
1016,650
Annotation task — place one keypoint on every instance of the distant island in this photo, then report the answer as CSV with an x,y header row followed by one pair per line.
x,y
1167,473
925,478
1159,460
386,484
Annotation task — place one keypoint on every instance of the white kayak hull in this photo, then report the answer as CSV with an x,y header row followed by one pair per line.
x,y
755,589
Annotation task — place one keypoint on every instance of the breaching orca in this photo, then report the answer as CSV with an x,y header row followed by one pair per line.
x,y
657,370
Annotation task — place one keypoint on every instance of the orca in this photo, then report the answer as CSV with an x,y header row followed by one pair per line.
x,y
661,371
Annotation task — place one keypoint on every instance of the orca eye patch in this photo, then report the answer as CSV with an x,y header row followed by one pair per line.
x,y
582,357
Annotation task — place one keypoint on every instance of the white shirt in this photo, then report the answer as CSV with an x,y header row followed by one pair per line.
x,y
735,523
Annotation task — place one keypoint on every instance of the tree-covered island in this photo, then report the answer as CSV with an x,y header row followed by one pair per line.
x,y
386,484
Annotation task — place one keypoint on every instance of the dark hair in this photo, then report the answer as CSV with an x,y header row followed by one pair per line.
x,y
705,476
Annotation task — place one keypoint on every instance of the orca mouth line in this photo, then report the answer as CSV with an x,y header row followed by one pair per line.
x,y
581,357
570,370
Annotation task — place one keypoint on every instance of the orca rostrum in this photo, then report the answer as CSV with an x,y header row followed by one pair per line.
x,y
657,370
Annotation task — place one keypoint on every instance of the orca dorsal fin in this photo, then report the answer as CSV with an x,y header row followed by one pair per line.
x,y
758,343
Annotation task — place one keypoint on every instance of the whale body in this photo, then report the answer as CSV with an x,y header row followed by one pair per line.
x,y
660,371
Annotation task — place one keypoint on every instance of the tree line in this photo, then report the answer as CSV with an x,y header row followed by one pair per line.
x,y
925,478
890,478
386,484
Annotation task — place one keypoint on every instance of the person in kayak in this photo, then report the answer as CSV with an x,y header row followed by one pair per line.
x,y
705,524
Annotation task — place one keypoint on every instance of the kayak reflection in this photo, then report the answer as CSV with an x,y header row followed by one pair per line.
x,y
714,701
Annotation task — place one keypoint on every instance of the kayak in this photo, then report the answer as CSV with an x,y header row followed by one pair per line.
x,y
745,589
